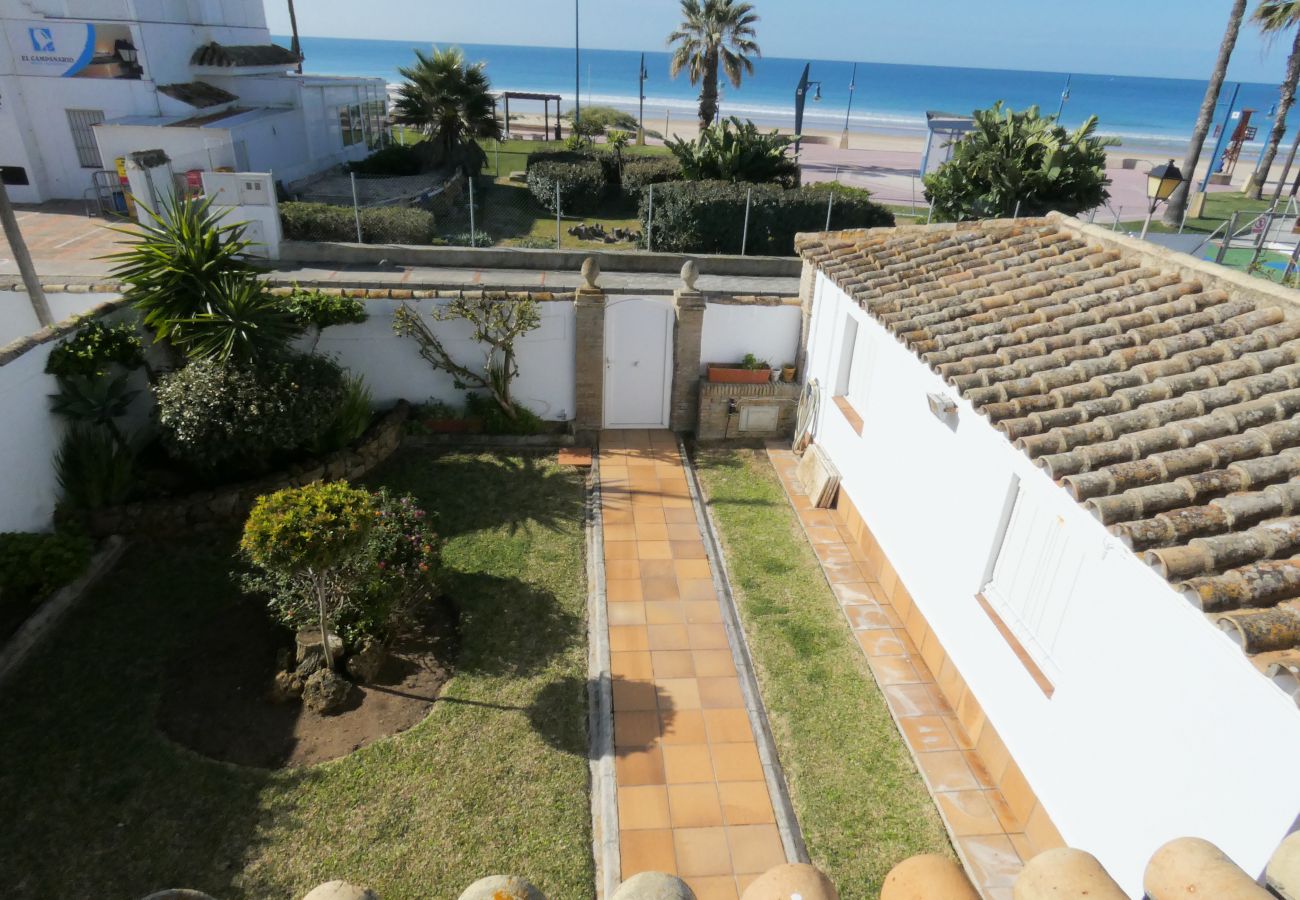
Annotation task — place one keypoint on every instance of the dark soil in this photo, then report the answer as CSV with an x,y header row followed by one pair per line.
x,y
215,699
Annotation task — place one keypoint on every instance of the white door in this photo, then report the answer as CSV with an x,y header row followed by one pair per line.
x,y
638,362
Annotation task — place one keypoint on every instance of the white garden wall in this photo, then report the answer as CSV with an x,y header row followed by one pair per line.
x,y
1159,726
771,333
28,442
17,318
394,370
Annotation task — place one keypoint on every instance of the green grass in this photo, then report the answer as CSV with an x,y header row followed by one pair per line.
x,y
1219,207
98,804
859,800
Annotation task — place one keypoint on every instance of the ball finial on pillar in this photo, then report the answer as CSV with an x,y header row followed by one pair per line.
x,y
690,272
590,274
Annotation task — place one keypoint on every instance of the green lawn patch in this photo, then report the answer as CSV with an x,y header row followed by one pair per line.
x,y
99,804
859,799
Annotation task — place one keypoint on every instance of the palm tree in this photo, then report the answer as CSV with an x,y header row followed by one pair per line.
x,y
1178,202
449,101
295,46
1273,17
714,32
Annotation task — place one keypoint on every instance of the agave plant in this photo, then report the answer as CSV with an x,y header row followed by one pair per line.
x,y
736,151
240,322
173,264
94,400
1020,163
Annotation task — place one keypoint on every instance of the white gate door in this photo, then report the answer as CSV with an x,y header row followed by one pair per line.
x,y
638,362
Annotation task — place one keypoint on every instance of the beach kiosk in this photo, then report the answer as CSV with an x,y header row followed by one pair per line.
x,y
944,129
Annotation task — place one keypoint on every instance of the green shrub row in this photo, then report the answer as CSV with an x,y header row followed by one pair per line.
x,y
35,565
582,184
639,172
708,216
379,225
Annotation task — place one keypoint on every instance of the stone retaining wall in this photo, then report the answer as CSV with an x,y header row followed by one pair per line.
x,y
228,505
724,409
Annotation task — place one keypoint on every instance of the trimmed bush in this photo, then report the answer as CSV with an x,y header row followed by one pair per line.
x,y
36,565
236,419
379,225
399,159
639,172
583,183
95,349
709,216
383,585
605,117
322,310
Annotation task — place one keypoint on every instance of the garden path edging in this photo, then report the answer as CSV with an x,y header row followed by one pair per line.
x,y
42,622
600,703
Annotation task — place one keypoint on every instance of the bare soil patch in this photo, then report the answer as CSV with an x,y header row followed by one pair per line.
x,y
216,697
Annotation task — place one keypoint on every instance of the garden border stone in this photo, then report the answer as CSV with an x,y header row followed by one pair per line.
x,y
517,441
41,623
229,504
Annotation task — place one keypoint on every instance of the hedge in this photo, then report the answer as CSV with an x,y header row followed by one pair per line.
x,y
709,216
583,184
379,225
639,172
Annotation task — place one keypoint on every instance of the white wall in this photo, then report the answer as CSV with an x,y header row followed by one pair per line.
x,y
394,370
771,333
1159,726
17,318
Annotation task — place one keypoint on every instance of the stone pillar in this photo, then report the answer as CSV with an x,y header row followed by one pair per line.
x,y
589,350
807,287
686,351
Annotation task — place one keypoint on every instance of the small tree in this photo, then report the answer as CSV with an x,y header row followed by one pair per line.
x,y
1020,161
498,322
307,533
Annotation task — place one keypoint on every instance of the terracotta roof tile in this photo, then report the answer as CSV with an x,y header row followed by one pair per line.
x,y
1161,392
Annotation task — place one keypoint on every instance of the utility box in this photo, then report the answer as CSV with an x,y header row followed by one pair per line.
x,y
248,198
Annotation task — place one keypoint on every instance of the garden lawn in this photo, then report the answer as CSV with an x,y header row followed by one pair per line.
x,y
99,804
858,797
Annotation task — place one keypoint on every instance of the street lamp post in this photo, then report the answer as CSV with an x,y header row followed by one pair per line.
x,y
640,115
1161,182
577,71
800,98
853,83
1065,95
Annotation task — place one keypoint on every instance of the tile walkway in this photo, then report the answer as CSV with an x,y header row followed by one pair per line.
x,y
692,799
991,838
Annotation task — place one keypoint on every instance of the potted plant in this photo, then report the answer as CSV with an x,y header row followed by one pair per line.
x,y
787,373
750,370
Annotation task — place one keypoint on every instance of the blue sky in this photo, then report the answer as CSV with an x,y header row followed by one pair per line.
x,y
1171,38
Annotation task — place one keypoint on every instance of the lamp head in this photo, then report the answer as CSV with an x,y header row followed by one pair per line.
x,y
1162,180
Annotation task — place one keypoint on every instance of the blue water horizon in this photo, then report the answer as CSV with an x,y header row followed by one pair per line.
x,y
1143,112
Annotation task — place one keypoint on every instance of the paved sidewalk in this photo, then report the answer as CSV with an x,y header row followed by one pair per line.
x,y
692,799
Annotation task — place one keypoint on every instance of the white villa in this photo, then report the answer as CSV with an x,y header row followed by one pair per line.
x,y
1073,460
84,84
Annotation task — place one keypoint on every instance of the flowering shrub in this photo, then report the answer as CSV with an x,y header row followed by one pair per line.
x,y
380,588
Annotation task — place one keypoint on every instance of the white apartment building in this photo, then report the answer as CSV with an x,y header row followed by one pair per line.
x,y
84,83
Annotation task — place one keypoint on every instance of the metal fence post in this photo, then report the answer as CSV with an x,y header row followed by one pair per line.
x,y
1227,238
472,240
1016,214
356,208
649,220
498,160
1267,219
830,204
744,233
557,215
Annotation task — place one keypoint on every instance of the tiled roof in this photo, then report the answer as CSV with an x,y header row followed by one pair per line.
x,y
198,94
239,56
1162,392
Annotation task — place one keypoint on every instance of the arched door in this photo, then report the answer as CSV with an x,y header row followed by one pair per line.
x,y
638,362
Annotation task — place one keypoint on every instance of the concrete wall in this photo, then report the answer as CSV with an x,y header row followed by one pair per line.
x,y
771,333
17,318
1158,727
394,370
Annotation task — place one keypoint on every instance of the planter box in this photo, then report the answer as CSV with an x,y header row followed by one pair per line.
x,y
724,374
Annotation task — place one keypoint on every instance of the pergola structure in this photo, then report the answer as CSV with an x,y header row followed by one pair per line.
x,y
507,96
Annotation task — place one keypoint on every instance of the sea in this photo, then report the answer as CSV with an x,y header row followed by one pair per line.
x,y
1142,113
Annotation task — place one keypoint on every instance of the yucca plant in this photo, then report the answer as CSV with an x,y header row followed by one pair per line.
x,y
240,321
93,468
175,261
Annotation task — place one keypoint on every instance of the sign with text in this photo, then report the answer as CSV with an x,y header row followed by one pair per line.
x,y
59,49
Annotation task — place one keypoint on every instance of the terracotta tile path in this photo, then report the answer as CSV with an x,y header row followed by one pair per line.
x,y
987,834
692,799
